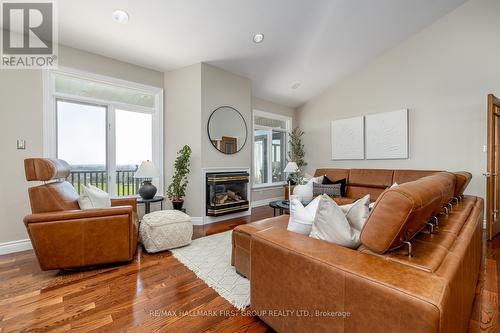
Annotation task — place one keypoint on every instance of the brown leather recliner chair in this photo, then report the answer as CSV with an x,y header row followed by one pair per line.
x,y
63,235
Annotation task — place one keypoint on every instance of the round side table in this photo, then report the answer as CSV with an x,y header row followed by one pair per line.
x,y
147,202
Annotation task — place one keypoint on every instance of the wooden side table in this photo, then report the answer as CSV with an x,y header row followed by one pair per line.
x,y
147,202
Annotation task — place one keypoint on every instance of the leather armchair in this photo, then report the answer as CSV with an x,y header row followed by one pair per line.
x,y
63,236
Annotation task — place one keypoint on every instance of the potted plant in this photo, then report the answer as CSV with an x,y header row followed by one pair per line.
x,y
296,154
176,191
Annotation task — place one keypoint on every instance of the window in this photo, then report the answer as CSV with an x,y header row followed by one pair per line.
x,y
104,128
270,148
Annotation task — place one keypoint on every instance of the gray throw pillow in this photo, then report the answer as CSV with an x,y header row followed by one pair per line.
x,y
332,190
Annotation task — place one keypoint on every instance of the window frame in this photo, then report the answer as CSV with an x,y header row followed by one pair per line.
x,y
50,117
288,121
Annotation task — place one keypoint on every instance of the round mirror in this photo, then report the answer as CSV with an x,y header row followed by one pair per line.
x,y
227,130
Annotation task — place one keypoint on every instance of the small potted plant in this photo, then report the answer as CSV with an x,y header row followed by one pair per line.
x,y
176,191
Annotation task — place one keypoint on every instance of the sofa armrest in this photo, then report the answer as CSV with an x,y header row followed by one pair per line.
x,y
125,202
68,215
295,272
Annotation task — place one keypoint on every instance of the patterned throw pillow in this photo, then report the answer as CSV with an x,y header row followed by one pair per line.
x,y
342,181
333,190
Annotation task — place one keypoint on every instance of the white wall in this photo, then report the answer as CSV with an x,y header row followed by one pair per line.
x,y
443,75
21,100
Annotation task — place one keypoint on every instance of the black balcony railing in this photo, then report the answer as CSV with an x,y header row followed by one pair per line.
x,y
126,184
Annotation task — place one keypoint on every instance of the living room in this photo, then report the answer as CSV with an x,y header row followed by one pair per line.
x,y
289,166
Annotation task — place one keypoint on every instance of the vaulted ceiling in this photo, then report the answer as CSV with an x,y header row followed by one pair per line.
x,y
308,43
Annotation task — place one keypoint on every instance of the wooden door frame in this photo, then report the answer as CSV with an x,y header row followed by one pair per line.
x,y
492,164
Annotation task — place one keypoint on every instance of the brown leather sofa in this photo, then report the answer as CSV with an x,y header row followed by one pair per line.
x,y
303,284
63,236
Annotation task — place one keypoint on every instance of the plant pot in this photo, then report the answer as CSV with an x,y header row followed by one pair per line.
x,y
177,204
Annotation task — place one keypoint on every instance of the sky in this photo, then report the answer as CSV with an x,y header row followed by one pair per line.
x,y
81,136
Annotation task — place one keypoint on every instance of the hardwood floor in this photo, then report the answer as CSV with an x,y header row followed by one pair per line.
x,y
135,297
138,296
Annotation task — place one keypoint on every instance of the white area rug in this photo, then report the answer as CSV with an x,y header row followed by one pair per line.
x,y
210,259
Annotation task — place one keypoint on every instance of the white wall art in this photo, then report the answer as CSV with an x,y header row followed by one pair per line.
x,y
387,135
347,136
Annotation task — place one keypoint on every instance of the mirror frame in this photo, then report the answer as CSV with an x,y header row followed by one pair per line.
x,y
244,123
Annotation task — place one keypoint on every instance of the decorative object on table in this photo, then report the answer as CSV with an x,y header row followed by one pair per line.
x,y
347,139
210,259
165,229
176,191
291,168
296,154
147,171
227,130
147,202
387,135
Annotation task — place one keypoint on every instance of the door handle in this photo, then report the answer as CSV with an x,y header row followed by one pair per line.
x,y
489,174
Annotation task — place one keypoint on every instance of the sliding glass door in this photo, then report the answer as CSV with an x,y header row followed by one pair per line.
x,y
82,142
103,145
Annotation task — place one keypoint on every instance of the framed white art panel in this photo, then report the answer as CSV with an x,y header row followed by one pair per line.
x,y
347,136
387,135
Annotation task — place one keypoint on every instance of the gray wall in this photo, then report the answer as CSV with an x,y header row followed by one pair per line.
x,y
182,126
21,96
219,88
443,75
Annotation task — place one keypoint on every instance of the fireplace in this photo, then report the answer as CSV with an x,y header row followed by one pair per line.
x,y
226,193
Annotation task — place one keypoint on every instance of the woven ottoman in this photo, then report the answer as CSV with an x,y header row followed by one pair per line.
x,y
165,229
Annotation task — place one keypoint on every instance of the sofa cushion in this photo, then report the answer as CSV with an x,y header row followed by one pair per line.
x,y
402,211
379,178
333,174
462,180
405,176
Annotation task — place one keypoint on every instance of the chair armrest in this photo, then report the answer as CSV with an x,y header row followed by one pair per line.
x,y
290,271
77,214
125,202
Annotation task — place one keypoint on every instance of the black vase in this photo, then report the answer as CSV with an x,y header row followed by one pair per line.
x,y
147,190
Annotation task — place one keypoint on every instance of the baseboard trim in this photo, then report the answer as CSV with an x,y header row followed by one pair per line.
x,y
198,220
265,202
15,246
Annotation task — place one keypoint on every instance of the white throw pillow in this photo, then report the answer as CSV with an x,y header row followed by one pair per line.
x,y
358,212
331,225
305,192
301,218
93,197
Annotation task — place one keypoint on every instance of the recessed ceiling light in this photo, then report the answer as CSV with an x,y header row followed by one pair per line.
x,y
120,16
258,38
296,85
